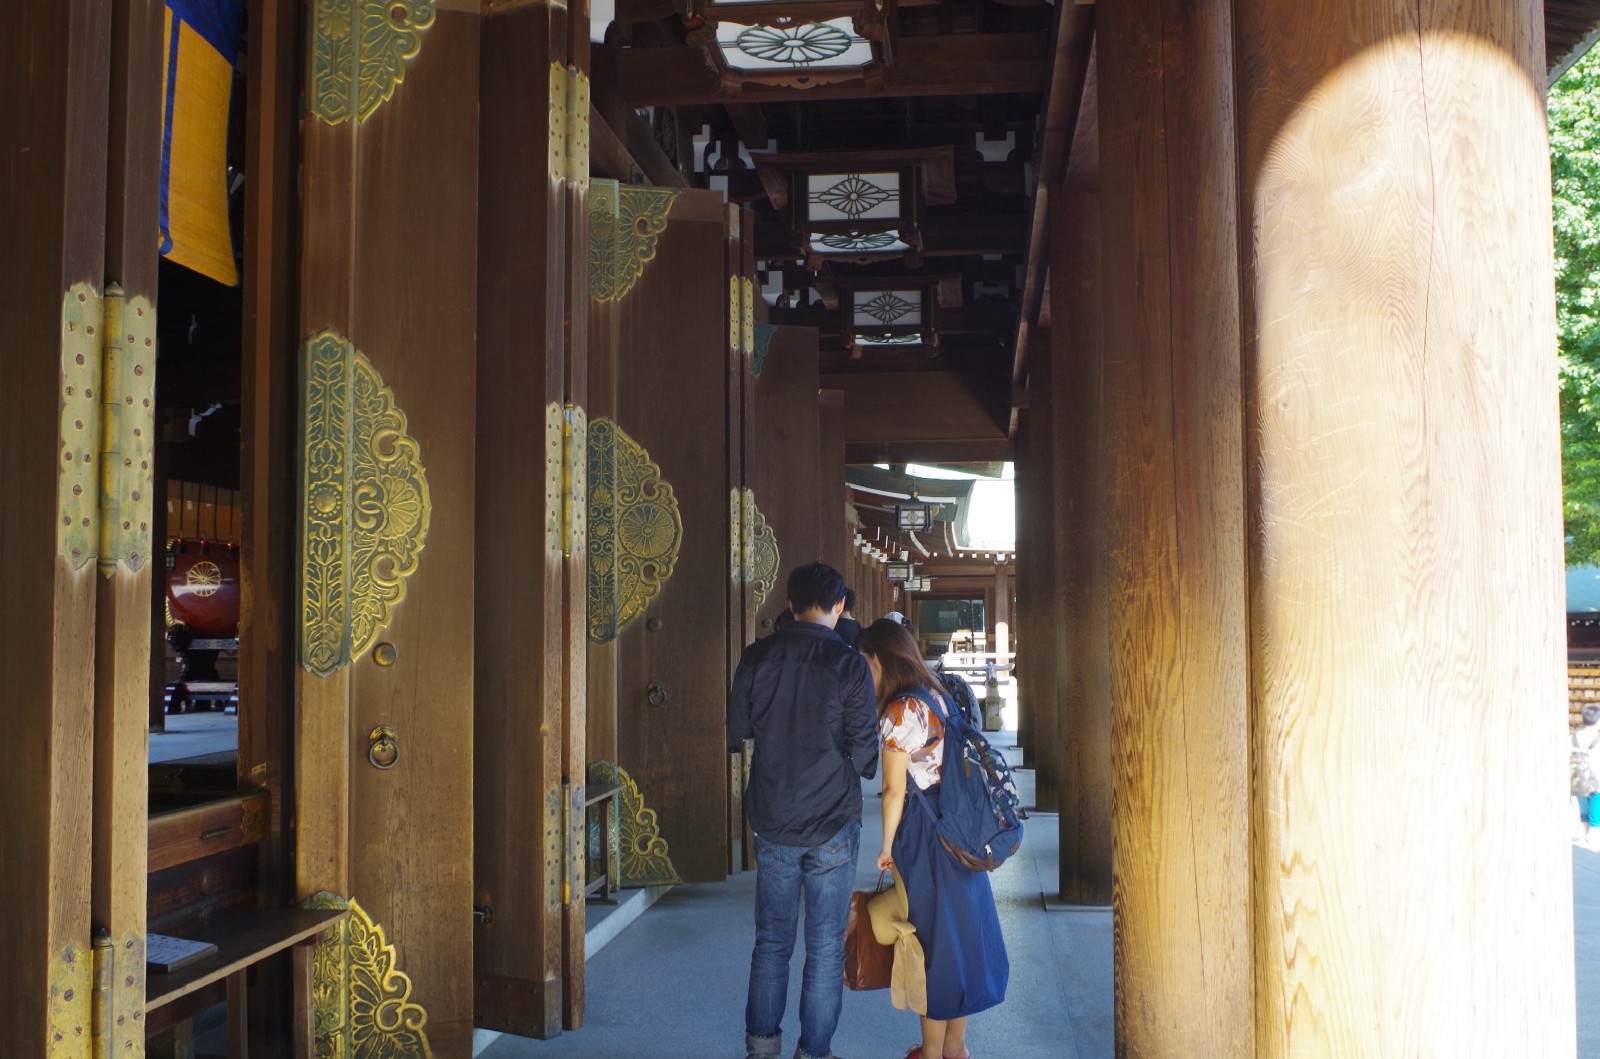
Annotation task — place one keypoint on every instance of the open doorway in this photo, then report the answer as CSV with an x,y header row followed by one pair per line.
x,y
195,699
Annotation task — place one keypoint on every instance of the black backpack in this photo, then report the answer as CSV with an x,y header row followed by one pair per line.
x,y
979,821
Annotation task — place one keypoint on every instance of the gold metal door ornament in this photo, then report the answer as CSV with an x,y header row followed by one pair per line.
x,y
108,370
359,51
361,1005
754,545
644,859
625,221
635,531
365,506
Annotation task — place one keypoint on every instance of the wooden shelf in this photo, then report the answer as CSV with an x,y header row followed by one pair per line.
x,y
241,940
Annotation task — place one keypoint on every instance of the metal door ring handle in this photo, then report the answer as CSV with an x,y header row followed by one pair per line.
x,y
656,694
384,750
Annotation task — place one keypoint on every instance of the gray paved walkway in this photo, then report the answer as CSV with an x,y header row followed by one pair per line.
x,y
671,986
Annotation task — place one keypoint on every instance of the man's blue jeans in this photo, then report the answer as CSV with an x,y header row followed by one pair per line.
x,y
825,875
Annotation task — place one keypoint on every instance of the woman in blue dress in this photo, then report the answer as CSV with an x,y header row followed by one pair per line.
x,y
952,907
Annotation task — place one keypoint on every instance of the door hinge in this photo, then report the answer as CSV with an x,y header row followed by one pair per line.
x,y
574,481
754,545
574,833
569,126
108,361
742,317
116,1026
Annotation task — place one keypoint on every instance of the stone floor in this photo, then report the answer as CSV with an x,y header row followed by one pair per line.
x,y
671,985
666,978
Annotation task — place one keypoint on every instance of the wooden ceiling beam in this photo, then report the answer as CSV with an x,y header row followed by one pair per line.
x,y
955,65
977,450
943,407
751,125
838,361
966,320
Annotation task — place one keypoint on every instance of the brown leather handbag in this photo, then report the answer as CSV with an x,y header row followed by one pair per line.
x,y
868,963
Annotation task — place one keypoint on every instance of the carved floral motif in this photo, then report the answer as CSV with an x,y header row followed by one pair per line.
x,y
365,508
359,50
634,529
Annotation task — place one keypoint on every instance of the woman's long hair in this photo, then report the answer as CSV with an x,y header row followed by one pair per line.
x,y
901,661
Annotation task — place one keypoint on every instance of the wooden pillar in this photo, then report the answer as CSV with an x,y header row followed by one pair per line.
x,y
1029,592
833,534
54,67
122,608
1175,508
1405,551
533,313
1039,659
268,617
1085,659
783,466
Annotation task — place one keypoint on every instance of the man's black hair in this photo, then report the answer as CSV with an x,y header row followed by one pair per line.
x,y
850,599
815,585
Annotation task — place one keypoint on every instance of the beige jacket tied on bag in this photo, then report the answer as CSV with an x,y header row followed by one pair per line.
x,y
891,925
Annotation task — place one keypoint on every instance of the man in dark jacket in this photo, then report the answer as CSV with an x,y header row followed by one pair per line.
x,y
806,700
848,629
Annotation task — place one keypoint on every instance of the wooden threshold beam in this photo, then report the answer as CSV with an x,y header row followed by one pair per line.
x,y
957,65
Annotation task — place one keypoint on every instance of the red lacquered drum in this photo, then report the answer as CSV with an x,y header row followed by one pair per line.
x,y
203,589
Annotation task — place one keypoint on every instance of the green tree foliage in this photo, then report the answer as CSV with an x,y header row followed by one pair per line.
x,y
1575,185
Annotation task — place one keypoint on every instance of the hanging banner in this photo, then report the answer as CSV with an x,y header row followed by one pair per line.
x,y
202,39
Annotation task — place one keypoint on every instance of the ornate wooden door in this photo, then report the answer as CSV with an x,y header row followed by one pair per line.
x,y
388,359
785,472
530,762
663,471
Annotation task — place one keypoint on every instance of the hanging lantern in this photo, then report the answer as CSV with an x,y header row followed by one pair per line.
x,y
913,516
793,43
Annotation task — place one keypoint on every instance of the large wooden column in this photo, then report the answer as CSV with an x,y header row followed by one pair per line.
x,y
1175,509
1412,888
1029,536
1077,395
1038,589
122,609
54,57
784,467
533,313
833,534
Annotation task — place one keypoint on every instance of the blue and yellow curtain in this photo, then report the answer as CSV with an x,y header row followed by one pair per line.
x,y
202,49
